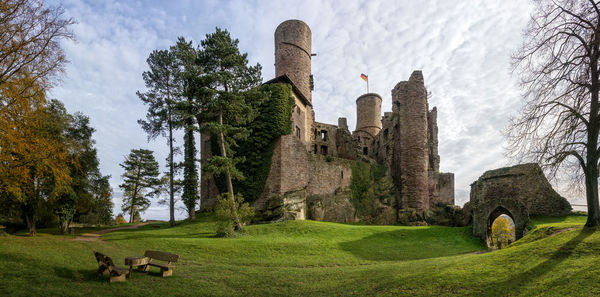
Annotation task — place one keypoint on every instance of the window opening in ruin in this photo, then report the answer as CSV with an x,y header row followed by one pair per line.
x,y
365,150
297,131
323,150
387,148
385,134
316,133
324,134
342,174
502,232
358,138
315,149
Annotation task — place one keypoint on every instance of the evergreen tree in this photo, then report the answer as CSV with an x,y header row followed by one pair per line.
x,y
163,92
221,92
140,181
188,73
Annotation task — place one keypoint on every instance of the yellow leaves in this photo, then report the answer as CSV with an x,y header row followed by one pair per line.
x,y
502,232
120,220
28,152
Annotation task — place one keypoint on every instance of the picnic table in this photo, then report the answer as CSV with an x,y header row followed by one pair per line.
x,y
140,261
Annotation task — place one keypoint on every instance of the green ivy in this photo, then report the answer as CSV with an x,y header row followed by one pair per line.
x,y
274,119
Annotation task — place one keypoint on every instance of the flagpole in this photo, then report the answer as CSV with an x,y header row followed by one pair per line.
x,y
367,85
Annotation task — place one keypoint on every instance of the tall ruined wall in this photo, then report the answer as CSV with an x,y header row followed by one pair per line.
x,y
299,179
446,188
293,54
411,153
432,135
328,191
324,139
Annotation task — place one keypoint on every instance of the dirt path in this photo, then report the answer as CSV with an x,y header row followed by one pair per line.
x,y
94,236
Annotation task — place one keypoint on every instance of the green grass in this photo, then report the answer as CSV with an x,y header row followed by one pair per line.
x,y
76,231
307,258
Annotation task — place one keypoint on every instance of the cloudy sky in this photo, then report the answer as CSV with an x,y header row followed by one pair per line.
x,y
463,48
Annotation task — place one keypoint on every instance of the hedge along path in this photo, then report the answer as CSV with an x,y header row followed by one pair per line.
x,y
95,236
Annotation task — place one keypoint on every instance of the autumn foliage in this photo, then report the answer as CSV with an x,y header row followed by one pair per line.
x,y
502,232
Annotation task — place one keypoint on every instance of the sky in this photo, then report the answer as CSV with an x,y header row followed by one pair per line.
x,y
462,47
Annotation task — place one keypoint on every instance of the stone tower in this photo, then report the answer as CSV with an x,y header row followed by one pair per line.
x,y
368,120
411,152
293,55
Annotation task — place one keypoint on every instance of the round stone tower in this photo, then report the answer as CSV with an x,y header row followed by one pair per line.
x,y
368,121
293,53
368,113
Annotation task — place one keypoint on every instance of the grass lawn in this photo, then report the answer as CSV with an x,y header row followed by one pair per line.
x,y
307,258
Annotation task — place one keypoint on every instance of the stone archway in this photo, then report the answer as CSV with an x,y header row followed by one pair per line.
x,y
485,213
492,217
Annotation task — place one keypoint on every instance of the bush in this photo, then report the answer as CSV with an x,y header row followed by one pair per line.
x,y
120,220
225,215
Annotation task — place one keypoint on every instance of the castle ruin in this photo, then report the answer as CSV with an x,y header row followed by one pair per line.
x,y
311,169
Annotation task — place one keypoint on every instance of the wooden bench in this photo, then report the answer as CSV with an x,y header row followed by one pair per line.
x,y
107,267
166,269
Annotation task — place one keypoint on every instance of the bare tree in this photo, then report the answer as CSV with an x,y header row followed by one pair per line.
x,y
29,41
558,66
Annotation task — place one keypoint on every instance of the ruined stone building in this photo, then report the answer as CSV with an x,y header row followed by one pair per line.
x,y
311,169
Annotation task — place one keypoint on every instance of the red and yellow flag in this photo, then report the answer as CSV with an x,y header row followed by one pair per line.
x,y
364,77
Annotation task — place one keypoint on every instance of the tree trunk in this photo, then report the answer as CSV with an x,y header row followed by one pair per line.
x,y
192,214
171,173
30,219
591,170
236,219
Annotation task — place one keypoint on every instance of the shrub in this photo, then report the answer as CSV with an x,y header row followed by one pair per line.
x,y
120,220
225,215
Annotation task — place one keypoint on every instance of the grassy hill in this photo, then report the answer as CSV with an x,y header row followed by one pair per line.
x,y
307,258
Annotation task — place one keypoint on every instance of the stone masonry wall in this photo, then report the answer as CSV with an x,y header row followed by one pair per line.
x,y
446,186
432,130
411,160
525,183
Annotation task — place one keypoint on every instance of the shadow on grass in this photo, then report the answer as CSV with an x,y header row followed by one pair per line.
x,y
564,252
32,268
413,244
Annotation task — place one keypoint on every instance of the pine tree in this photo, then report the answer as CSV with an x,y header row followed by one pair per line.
x,y
164,90
140,181
221,94
189,71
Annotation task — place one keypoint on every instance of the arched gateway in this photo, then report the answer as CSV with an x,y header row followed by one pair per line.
x,y
518,191
485,214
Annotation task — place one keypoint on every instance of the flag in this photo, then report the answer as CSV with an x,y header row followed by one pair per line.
x,y
364,77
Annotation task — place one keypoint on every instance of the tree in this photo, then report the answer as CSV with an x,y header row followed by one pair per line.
x,y
88,192
35,159
120,219
164,90
30,59
140,180
29,39
502,232
221,94
189,71
558,65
